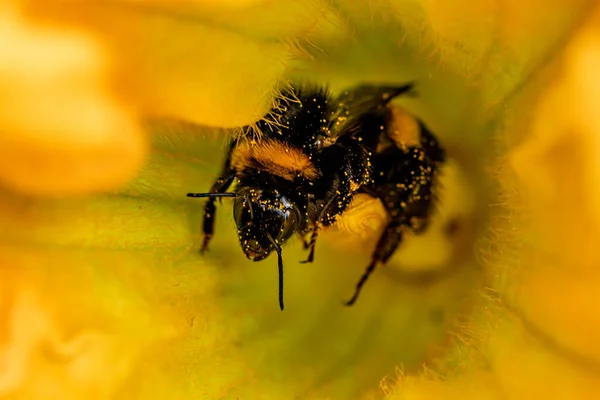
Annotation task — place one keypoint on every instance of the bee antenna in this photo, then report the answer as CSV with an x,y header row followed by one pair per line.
x,y
212,195
280,269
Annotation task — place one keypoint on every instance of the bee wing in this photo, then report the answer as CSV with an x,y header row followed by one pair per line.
x,y
352,104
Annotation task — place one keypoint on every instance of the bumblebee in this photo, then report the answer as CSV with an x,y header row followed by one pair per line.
x,y
314,153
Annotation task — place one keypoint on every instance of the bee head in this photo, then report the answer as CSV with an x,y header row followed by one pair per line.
x,y
265,220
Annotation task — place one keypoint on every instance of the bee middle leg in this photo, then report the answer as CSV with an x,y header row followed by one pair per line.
x,y
388,242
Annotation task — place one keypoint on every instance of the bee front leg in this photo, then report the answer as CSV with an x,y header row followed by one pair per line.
x,y
221,185
306,243
386,246
210,210
311,246
326,217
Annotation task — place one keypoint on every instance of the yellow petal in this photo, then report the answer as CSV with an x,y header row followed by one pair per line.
x,y
173,63
108,296
63,132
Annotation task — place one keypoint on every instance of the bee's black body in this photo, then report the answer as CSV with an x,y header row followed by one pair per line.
x,y
311,159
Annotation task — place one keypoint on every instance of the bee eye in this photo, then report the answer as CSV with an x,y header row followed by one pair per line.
x,y
242,211
289,223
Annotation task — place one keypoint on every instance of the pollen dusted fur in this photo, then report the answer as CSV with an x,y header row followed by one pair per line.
x,y
273,157
316,153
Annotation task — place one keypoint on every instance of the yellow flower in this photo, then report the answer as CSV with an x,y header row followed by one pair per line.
x,y
103,292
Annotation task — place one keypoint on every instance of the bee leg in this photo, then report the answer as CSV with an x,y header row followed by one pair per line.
x,y
221,185
334,207
208,224
386,246
311,246
305,244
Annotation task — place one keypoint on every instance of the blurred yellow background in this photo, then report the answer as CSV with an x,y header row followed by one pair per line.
x,y
104,294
